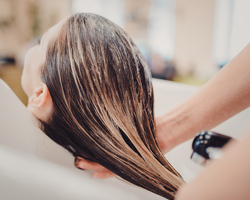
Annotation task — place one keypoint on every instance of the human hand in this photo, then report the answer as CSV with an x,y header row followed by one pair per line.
x,y
100,173
165,140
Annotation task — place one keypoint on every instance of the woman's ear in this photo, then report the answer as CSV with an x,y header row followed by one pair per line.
x,y
39,97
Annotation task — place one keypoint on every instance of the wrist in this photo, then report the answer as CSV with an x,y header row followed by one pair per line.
x,y
177,127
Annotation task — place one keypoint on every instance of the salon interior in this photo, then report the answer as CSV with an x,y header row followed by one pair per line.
x,y
185,43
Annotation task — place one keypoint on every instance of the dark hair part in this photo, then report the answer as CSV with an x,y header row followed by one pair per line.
x,y
103,107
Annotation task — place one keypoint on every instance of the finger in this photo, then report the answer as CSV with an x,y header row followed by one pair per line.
x,y
85,164
103,174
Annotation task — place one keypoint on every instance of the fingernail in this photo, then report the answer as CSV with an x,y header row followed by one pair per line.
x,y
80,168
77,163
76,160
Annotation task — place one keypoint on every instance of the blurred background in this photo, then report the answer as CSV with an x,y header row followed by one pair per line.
x,y
186,41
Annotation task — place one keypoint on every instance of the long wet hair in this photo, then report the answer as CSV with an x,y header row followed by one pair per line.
x,y
103,103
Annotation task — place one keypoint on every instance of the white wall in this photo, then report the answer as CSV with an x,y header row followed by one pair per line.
x,y
194,36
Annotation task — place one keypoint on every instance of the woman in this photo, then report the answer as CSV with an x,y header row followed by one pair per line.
x,y
91,89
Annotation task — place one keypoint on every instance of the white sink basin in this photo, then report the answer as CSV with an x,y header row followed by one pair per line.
x,y
33,167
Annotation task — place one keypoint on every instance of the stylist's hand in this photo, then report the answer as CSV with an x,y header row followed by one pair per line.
x,y
164,138
101,172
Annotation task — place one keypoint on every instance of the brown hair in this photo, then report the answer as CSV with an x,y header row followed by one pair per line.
x,y
103,106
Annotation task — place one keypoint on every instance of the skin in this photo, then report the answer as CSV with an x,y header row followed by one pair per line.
x,y
222,97
40,102
228,178
225,95
39,99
